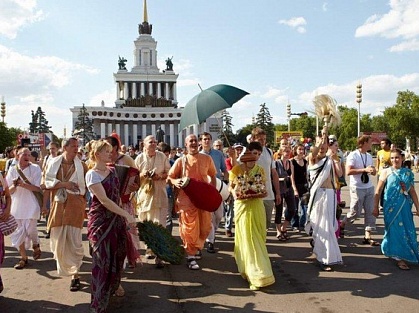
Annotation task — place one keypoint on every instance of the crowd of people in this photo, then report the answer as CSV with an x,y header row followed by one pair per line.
x,y
298,189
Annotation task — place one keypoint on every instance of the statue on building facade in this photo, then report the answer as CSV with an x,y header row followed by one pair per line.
x,y
121,63
169,64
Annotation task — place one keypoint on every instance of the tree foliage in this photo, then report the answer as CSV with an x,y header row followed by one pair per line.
x,y
39,123
84,126
403,118
8,136
400,121
264,121
227,135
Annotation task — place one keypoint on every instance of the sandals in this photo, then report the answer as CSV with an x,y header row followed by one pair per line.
x,y
402,265
75,284
21,264
370,242
282,236
191,263
36,252
325,267
198,255
120,292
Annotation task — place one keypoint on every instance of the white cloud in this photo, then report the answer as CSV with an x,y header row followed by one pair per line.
x,y
297,23
378,92
324,6
46,72
107,96
16,14
400,22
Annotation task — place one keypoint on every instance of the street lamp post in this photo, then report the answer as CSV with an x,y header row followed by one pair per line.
x,y
84,126
3,109
289,116
359,100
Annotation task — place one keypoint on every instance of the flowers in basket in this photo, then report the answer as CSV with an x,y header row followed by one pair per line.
x,y
250,187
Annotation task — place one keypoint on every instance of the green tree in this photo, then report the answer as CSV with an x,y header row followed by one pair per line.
x,y
403,118
306,124
39,123
264,121
8,136
84,126
242,133
226,134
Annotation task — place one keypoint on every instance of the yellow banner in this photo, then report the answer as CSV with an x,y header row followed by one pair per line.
x,y
286,134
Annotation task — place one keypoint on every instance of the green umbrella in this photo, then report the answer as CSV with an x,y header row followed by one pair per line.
x,y
208,102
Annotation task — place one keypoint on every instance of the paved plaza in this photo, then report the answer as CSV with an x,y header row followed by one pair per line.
x,y
367,282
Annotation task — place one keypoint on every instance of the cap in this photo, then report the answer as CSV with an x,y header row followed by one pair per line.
x,y
238,145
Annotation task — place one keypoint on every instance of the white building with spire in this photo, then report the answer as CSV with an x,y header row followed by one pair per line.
x,y
146,98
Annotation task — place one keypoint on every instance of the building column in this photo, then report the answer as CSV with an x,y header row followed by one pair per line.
x,y
134,90
144,131
126,133
150,89
118,129
174,92
102,130
166,94
125,90
153,129
158,90
134,133
142,89
109,129
118,91
172,134
180,137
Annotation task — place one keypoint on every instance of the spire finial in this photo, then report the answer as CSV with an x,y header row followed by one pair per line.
x,y
145,28
145,12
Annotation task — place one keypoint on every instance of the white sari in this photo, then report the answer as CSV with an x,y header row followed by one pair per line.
x,y
322,214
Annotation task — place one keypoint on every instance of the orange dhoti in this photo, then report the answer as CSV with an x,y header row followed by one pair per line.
x,y
194,225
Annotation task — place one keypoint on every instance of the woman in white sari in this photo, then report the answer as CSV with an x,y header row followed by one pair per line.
x,y
322,205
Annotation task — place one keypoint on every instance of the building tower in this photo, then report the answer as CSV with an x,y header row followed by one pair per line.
x,y
145,96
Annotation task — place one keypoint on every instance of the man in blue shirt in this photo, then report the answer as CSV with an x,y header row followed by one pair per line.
x,y
205,139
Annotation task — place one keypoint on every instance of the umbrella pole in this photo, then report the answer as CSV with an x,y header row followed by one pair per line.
x,y
225,136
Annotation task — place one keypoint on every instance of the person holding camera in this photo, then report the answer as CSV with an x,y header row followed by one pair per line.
x,y
360,167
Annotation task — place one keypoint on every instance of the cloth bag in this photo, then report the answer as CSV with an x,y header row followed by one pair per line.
x,y
61,195
9,226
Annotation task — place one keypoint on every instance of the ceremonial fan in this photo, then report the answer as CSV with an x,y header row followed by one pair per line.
x,y
161,242
325,108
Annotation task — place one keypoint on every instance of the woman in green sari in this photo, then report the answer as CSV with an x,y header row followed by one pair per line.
x,y
247,184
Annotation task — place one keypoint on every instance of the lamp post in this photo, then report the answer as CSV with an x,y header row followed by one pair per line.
x,y
359,100
3,109
289,116
84,126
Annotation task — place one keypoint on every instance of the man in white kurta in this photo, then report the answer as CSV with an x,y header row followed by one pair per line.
x,y
66,218
152,201
25,207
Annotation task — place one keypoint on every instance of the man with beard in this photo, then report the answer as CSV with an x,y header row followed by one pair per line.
x,y
66,174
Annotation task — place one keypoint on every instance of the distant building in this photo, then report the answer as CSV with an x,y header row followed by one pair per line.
x,y
146,99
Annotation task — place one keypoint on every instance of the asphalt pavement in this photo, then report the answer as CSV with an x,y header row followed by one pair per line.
x,y
367,282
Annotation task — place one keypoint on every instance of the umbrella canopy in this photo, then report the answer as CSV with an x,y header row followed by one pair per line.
x,y
208,102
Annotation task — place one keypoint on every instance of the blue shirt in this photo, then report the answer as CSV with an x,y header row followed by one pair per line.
x,y
218,159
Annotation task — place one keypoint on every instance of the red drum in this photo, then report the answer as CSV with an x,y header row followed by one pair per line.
x,y
203,195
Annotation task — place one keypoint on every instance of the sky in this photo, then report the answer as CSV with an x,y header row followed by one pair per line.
x,y
60,54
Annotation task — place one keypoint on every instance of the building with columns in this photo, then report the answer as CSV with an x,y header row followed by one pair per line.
x,y
146,99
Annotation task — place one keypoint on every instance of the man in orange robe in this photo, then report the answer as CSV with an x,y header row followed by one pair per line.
x,y
194,223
